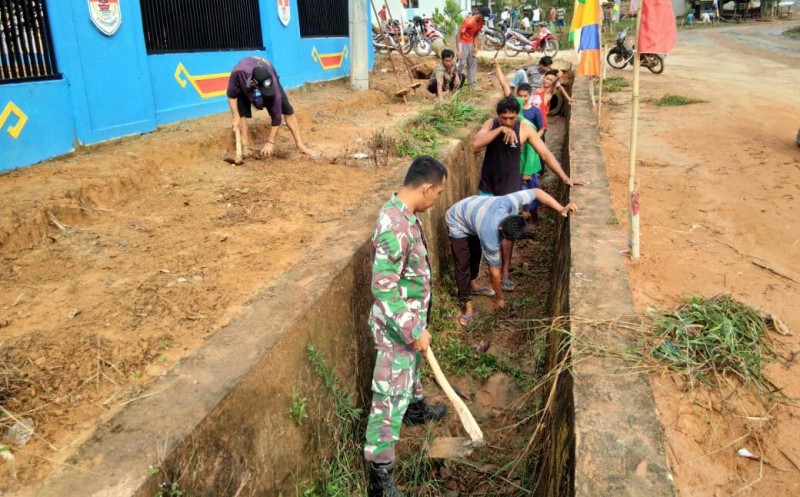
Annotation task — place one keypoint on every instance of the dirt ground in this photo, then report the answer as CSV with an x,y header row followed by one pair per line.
x,y
121,259
720,203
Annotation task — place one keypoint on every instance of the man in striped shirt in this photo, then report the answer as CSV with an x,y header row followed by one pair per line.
x,y
478,224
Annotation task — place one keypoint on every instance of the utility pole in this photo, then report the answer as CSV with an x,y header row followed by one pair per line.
x,y
359,57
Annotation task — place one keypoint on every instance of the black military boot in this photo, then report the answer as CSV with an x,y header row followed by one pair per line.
x,y
421,412
381,481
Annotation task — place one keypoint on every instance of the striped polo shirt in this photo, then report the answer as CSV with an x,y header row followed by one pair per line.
x,y
481,216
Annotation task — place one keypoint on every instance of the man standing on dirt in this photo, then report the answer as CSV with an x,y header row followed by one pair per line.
x,y
445,77
401,287
502,138
254,83
468,44
477,225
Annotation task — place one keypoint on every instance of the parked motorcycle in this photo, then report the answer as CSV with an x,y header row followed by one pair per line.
x,y
393,40
620,56
518,41
422,36
492,38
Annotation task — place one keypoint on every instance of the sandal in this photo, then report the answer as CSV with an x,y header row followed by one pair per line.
x,y
465,320
484,292
508,285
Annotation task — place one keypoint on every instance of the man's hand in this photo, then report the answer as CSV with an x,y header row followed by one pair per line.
x,y
575,182
267,150
509,138
235,120
570,207
423,342
499,305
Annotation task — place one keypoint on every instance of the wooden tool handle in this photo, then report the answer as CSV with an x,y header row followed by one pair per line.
x,y
471,427
239,153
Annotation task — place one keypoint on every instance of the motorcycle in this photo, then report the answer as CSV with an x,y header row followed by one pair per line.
x,y
620,56
492,38
422,36
392,40
517,41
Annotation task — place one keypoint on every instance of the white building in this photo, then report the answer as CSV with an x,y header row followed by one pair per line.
x,y
423,8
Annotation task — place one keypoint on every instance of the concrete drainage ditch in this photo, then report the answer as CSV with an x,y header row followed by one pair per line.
x,y
218,421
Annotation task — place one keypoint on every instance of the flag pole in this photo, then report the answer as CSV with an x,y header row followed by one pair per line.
x,y
633,196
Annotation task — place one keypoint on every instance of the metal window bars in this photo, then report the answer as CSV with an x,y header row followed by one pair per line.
x,y
26,47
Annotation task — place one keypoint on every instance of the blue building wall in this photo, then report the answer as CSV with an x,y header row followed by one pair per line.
x,y
112,88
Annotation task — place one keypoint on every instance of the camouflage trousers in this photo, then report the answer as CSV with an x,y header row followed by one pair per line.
x,y
395,384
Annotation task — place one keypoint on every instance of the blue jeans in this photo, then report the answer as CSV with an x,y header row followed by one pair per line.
x,y
527,185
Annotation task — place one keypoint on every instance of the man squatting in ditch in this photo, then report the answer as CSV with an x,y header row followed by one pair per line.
x,y
254,83
401,287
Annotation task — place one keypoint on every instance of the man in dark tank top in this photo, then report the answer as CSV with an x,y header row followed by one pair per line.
x,y
503,138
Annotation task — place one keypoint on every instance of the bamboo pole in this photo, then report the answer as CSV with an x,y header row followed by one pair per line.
x,y
602,65
633,195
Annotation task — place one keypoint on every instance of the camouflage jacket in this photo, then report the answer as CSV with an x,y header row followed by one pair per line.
x,y
401,277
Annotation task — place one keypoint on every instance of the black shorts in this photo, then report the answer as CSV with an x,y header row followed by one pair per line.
x,y
245,106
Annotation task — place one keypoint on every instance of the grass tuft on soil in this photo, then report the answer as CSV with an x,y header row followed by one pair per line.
x,y
615,84
793,33
707,339
670,100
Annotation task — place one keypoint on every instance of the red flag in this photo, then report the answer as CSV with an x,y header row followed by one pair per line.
x,y
659,31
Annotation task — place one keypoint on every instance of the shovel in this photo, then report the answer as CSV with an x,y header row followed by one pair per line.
x,y
454,447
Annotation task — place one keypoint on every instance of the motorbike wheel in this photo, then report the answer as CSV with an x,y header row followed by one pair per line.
x,y
616,59
423,47
511,49
551,48
497,39
655,63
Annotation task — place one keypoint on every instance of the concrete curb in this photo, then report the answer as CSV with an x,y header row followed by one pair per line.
x,y
619,443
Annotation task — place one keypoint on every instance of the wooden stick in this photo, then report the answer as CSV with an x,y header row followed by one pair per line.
x,y
469,423
633,196
239,155
407,62
386,41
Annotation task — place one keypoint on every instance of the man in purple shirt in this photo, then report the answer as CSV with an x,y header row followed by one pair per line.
x,y
254,83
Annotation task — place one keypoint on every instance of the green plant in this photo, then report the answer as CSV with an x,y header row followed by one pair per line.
x,y
340,473
297,411
669,100
169,490
612,220
460,359
448,21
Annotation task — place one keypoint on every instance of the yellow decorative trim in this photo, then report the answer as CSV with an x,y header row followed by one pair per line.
x,y
318,57
181,70
11,108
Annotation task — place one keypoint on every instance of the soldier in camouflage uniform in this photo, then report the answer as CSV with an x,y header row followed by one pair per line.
x,y
401,286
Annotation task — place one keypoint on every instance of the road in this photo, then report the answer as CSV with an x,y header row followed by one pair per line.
x,y
720,196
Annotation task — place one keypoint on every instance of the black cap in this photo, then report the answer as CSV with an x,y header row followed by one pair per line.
x,y
264,82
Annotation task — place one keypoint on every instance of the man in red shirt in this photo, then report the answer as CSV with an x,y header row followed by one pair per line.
x,y
468,44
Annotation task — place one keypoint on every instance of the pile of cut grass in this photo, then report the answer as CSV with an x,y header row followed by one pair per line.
x,y
707,339
670,100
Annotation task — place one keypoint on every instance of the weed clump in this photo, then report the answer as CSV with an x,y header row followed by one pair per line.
x,y
340,473
420,134
706,339
670,100
615,84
